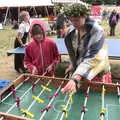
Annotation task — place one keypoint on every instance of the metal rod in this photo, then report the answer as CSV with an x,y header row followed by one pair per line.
x,y
24,94
102,113
11,92
34,101
64,98
2,118
6,15
20,98
68,102
62,116
85,103
43,114
118,92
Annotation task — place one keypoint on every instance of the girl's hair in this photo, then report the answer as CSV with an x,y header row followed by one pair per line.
x,y
22,15
37,29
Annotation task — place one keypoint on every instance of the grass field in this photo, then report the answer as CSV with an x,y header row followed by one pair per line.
x,y
7,37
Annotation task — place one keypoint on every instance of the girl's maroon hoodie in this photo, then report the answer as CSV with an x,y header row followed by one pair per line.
x,y
41,54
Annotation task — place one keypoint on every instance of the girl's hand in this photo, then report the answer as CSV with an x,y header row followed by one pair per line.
x,y
34,71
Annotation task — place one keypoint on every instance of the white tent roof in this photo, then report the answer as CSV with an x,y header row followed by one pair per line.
x,y
64,1
24,3
69,1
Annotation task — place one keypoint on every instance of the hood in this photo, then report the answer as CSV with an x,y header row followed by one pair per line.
x,y
39,22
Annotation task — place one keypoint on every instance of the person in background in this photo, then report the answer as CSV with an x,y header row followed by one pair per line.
x,y
104,15
51,17
86,47
113,20
41,54
15,25
20,41
60,21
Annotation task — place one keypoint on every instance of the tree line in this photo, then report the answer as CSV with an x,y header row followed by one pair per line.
x,y
101,2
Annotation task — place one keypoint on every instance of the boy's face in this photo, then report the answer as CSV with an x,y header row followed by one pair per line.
x,y
78,22
38,37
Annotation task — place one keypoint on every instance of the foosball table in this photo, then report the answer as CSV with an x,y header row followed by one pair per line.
x,y
33,97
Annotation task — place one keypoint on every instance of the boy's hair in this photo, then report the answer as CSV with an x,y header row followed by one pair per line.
x,y
22,15
37,29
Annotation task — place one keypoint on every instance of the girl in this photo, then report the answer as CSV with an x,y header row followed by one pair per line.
x,y
41,53
21,38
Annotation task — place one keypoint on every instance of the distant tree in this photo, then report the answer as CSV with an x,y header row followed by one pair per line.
x,y
118,2
111,2
99,2
94,2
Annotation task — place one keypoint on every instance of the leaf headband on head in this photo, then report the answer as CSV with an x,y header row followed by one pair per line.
x,y
76,10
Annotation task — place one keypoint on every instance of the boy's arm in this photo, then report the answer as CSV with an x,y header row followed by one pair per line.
x,y
94,60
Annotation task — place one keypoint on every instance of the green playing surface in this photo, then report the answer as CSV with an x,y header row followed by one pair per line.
x,y
113,112
74,110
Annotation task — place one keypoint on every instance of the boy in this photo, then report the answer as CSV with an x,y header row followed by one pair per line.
x,y
86,47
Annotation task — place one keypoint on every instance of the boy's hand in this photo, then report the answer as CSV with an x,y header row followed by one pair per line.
x,y
70,87
68,69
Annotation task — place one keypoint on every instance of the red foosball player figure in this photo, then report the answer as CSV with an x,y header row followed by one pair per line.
x,y
0,97
13,92
18,102
55,95
33,86
46,109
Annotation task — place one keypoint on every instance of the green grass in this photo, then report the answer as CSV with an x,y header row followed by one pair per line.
x,y
7,37
105,25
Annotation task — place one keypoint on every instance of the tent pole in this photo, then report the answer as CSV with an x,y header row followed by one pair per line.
x,y
6,16
18,13
55,13
35,11
47,11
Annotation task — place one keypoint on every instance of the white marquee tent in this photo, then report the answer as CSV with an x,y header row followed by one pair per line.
x,y
69,1
33,3
25,3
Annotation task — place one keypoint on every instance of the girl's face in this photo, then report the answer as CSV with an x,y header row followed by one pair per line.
x,y
78,22
38,37
27,17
